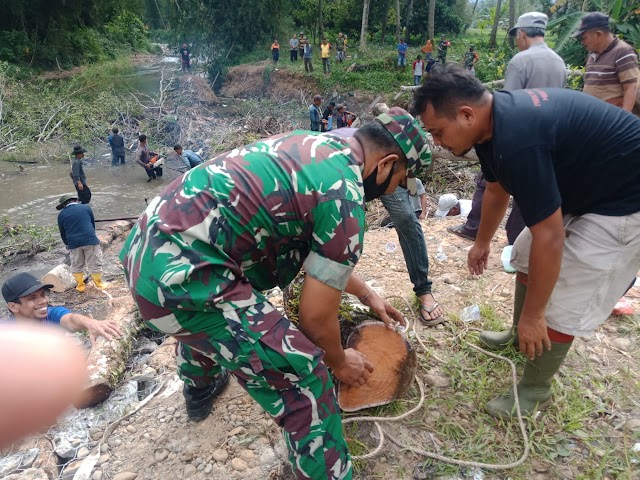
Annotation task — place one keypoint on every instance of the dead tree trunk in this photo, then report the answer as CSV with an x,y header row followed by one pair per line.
x,y
320,24
365,23
432,20
473,12
385,21
61,277
494,29
512,21
107,360
113,231
398,34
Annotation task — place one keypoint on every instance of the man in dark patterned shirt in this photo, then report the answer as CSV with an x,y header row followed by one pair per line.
x,y
201,255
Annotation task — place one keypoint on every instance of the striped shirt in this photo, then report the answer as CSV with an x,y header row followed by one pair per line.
x,y
606,73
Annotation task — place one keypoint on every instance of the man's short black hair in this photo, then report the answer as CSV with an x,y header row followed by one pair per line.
x,y
332,104
374,133
447,87
532,32
142,137
115,130
177,147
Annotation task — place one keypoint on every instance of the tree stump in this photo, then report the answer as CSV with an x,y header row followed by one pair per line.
x,y
108,358
61,277
394,366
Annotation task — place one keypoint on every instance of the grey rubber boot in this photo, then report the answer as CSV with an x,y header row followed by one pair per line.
x,y
501,340
534,389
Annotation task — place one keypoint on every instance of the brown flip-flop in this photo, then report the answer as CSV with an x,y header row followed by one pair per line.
x,y
459,230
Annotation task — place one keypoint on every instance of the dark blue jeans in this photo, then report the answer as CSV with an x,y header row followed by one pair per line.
x,y
117,158
414,247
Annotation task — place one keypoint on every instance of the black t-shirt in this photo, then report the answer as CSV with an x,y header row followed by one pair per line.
x,y
556,148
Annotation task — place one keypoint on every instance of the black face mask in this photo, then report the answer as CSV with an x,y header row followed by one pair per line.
x,y
371,189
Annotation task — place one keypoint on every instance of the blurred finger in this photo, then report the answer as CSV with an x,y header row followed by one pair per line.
x,y
368,365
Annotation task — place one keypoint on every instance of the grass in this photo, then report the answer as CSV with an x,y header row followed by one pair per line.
x,y
581,431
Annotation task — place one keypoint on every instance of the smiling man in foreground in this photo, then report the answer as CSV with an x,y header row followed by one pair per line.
x,y
572,163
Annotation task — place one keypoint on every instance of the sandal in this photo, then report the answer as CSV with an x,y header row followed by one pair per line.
x,y
460,230
429,322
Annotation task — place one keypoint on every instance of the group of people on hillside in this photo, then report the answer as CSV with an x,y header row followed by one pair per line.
x,y
202,254
300,46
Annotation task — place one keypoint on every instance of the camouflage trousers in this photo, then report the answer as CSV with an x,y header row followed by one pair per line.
x,y
274,362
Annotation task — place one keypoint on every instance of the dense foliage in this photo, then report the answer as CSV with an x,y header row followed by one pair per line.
x,y
63,33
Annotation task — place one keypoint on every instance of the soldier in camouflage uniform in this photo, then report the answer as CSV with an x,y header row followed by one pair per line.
x,y
246,221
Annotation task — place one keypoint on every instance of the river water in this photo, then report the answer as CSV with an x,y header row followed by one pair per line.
x,y
31,196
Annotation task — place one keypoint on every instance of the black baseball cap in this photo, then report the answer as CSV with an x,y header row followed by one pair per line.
x,y
21,285
590,21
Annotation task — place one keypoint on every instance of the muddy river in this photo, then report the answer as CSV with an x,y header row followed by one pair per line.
x,y
30,196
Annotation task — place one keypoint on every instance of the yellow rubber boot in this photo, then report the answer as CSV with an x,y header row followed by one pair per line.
x,y
97,281
80,281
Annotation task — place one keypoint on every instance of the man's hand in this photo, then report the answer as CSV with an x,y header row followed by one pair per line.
x,y
148,165
80,186
532,335
355,369
423,215
383,309
478,258
108,329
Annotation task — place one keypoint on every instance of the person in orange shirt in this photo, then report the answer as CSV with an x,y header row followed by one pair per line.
x,y
275,52
427,49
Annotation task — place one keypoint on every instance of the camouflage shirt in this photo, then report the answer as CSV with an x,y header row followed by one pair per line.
x,y
254,214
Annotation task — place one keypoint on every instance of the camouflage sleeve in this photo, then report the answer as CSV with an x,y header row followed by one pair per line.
x,y
337,242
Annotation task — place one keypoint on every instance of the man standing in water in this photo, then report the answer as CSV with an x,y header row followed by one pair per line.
x,y
78,176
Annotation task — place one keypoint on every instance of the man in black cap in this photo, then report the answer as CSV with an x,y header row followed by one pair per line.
x,y
611,73
27,300
78,176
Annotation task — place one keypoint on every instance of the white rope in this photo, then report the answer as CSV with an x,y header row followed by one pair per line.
x,y
442,458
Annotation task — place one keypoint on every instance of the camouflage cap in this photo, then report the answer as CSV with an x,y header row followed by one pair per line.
x,y
411,139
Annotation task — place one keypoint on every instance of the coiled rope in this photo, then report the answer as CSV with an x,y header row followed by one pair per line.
x,y
377,421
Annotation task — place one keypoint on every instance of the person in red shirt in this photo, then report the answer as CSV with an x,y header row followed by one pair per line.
x,y
418,70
